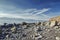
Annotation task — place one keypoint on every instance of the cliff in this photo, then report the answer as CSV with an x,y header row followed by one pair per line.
x,y
55,19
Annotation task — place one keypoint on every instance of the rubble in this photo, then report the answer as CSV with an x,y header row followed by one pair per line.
x,y
48,30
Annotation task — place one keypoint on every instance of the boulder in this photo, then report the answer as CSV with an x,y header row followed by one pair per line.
x,y
24,23
13,29
39,23
56,19
38,36
24,26
56,27
46,23
53,23
57,38
58,23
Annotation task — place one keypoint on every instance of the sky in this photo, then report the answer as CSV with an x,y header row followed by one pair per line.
x,y
29,9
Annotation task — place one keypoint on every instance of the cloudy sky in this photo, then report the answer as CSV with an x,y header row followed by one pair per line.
x,y
29,9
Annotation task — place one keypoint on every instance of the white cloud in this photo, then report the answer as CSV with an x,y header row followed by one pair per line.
x,y
14,12
42,11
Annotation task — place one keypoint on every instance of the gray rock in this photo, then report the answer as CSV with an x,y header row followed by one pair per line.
x,y
57,38
52,23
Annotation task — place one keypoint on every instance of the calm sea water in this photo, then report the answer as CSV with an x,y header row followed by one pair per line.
x,y
9,20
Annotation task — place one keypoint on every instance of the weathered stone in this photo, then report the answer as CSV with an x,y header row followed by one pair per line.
x,y
52,23
57,38
57,19
56,27
24,26
13,29
38,36
46,23
58,23
24,23
7,36
39,23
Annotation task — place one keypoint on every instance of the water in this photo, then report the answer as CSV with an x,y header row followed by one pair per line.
x,y
13,20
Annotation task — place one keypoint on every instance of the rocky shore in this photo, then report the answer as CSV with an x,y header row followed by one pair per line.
x,y
47,30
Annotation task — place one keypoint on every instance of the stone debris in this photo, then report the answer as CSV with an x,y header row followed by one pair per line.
x,y
48,30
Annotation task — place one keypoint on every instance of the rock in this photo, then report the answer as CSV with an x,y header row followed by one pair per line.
x,y
13,29
56,27
38,36
39,23
35,29
24,26
7,36
58,23
52,23
24,23
46,23
57,38
55,19
0,31
39,29
24,35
